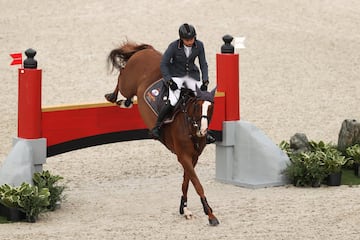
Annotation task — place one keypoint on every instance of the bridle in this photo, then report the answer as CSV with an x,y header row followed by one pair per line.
x,y
192,121
189,106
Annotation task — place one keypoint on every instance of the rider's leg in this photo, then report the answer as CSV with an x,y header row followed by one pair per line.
x,y
155,132
169,106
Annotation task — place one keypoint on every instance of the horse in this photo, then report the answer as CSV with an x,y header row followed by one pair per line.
x,y
139,68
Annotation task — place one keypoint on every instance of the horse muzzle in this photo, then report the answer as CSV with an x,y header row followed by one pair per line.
x,y
202,130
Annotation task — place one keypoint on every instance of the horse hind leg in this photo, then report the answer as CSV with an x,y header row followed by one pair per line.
x,y
112,97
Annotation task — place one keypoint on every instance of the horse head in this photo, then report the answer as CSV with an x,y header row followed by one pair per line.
x,y
203,110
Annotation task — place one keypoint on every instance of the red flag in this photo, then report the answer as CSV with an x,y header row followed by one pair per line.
x,y
17,58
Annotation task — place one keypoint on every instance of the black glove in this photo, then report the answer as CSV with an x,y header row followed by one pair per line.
x,y
172,85
204,85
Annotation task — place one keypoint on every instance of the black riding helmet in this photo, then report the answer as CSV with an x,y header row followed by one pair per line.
x,y
187,31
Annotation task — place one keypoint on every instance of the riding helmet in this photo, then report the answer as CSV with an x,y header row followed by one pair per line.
x,y
187,31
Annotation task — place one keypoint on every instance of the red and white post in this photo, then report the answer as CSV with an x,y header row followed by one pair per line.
x,y
227,69
29,98
29,148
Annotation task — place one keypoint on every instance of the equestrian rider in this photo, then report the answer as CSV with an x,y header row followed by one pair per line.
x,y
178,69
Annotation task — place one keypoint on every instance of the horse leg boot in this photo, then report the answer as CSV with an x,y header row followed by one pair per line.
x,y
213,221
184,210
155,132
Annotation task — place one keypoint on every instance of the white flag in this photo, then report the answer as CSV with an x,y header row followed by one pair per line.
x,y
239,42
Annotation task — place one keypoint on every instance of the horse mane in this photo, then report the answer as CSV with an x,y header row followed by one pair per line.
x,y
119,56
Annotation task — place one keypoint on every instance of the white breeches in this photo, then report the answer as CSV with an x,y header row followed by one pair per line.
x,y
189,82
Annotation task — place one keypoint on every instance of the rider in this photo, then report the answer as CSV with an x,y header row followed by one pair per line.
x,y
178,68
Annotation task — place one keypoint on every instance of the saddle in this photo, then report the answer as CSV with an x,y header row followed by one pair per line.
x,y
156,96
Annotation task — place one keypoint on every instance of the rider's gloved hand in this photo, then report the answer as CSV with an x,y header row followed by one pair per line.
x,y
204,85
172,85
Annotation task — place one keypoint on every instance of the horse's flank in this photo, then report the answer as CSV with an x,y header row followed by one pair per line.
x,y
142,63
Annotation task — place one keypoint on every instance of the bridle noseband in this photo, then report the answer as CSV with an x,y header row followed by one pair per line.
x,y
192,121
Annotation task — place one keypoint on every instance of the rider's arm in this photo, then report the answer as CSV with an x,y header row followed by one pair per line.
x,y
166,62
203,63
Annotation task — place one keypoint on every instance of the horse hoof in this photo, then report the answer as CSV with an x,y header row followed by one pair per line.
x,y
123,104
128,103
110,97
214,222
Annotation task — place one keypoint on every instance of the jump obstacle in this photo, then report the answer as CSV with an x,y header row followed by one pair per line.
x,y
244,155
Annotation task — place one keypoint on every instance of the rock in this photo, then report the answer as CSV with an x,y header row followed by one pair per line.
x,y
299,143
349,134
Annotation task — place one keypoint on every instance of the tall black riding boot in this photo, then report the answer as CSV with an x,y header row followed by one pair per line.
x,y
155,132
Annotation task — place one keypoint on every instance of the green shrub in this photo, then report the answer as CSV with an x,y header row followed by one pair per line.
x,y
45,194
27,198
353,152
310,168
51,182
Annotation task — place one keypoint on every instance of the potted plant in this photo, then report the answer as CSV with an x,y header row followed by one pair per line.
x,y
353,152
9,198
305,169
330,159
26,198
333,163
310,168
46,180
315,172
33,201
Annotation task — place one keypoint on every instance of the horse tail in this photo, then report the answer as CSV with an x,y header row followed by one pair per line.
x,y
119,56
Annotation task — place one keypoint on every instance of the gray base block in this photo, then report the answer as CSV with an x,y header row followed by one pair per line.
x,y
247,157
25,158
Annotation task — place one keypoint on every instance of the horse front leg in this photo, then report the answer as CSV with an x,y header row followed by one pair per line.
x,y
183,201
213,221
128,103
190,172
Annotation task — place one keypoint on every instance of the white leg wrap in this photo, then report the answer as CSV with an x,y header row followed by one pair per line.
x,y
187,213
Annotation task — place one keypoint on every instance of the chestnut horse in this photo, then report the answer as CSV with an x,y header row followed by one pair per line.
x,y
139,67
